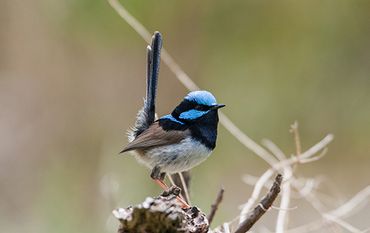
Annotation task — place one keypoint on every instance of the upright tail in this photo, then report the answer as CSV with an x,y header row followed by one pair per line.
x,y
146,115
154,58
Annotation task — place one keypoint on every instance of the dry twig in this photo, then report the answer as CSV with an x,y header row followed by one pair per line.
x,y
215,205
263,206
276,167
342,211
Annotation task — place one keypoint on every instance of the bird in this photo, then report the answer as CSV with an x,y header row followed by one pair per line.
x,y
180,140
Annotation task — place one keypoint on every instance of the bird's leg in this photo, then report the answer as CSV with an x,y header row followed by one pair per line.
x,y
158,177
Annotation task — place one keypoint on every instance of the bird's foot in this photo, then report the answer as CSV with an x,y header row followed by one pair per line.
x,y
158,177
172,190
156,174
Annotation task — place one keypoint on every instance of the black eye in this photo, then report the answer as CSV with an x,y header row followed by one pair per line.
x,y
200,107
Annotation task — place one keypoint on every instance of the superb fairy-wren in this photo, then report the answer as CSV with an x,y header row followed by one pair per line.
x,y
178,141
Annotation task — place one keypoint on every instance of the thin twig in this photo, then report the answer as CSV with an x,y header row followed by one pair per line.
x,y
255,194
297,138
276,167
309,160
282,219
252,181
263,206
185,187
226,227
342,223
294,130
275,150
350,205
215,205
342,211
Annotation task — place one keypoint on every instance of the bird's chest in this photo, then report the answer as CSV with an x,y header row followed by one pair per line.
x,y
176,157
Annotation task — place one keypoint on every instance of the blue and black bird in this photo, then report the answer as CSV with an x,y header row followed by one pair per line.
x,y
178,141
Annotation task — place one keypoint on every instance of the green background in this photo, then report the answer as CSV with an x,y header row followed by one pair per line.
x,y
72,77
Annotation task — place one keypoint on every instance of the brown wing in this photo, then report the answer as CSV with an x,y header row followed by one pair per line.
x,y
155,136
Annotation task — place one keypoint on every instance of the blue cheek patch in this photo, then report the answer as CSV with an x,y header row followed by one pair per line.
x,y
192,114
171,118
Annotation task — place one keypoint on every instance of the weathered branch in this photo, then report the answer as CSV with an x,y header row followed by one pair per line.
x,y
262,207
161,214
215,205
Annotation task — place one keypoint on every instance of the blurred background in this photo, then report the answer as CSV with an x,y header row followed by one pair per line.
x,y
72,77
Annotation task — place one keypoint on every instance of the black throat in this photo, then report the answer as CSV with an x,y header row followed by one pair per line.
x,y
204,129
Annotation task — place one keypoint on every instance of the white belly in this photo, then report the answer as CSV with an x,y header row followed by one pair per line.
x,y
175,158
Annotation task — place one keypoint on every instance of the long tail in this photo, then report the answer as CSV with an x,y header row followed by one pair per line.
x,y
154,58
146,115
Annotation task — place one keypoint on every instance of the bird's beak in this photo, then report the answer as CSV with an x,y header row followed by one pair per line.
x,y
217,106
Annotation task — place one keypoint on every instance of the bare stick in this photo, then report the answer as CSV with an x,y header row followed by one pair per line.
x,y
215,205
185,186
342,211
294,130
282,219
342,223
352,204
263,206
297,138
266,176
275,150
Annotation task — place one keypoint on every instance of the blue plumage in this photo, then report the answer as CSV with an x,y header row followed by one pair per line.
x,y
192,114
171,118
202,97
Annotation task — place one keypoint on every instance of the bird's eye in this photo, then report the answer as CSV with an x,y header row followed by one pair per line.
x,y
201,107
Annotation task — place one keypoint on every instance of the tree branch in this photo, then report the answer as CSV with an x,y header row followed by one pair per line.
x,y
161,214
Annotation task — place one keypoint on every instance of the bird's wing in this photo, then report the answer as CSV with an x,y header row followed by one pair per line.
x,y
156,136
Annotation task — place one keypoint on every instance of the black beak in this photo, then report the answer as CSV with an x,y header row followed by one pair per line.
x,y
218,106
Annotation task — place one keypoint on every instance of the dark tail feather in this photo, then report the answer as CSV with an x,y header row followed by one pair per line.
x,y
146,116
154,53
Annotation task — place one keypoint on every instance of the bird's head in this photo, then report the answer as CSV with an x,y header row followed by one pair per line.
x,y
196,105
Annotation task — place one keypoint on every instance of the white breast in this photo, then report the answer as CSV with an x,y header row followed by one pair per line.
x,y
176,158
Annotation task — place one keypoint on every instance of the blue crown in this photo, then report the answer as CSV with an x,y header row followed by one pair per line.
x,y
202,97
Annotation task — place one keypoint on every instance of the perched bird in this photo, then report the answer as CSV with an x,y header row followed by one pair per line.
x,y
178,141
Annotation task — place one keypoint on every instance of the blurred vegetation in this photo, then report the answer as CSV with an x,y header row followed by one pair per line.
x,y
72,78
